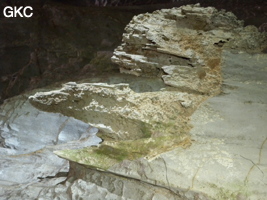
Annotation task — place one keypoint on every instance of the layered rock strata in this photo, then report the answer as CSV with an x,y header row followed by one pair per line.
x,y
183,46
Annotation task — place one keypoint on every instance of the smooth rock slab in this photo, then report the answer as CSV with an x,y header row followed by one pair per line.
x,y
28,139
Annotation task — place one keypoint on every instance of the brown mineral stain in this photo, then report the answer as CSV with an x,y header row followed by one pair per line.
x,y
213,63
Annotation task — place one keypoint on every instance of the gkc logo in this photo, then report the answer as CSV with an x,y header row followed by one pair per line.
x,y
20,11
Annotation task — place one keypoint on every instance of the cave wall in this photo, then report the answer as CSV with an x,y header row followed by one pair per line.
x,y
59,42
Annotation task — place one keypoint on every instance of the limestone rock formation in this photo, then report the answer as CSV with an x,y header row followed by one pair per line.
x,y
183,46
150,149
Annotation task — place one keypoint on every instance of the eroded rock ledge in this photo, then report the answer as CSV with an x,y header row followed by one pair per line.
x,y
145,133
132,124
120,112
183,46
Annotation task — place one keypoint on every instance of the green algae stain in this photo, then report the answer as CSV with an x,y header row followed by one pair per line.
x,y
110,153
146,131
156,138
114,153
237,190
